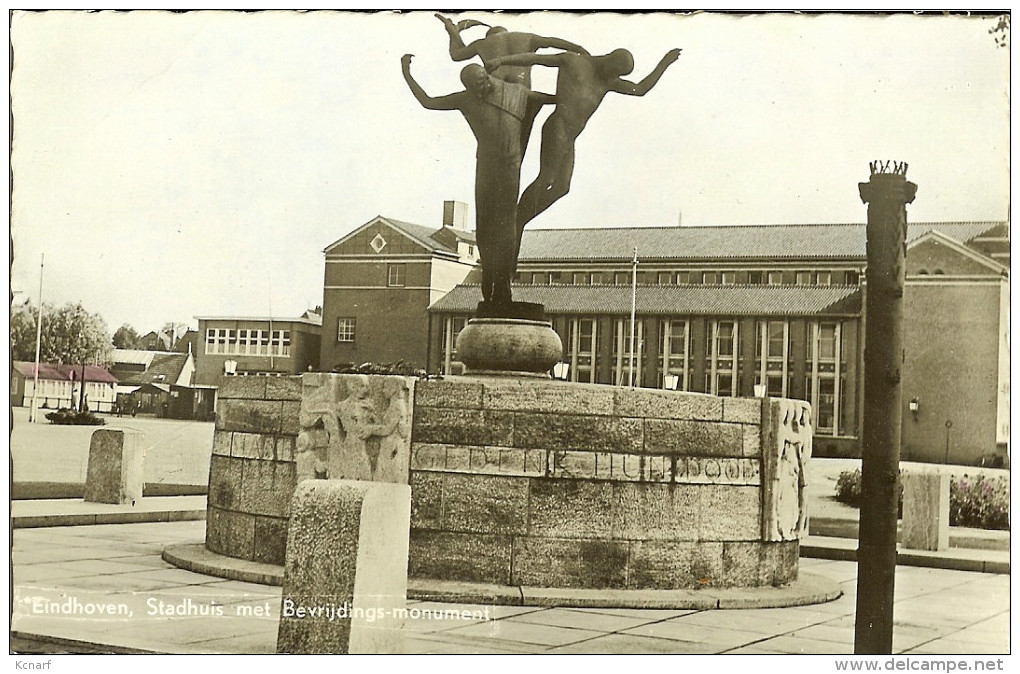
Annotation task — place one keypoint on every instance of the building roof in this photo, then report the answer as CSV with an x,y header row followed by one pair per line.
x,y
690,300
766,242
418,233
310,319
54,371
165,368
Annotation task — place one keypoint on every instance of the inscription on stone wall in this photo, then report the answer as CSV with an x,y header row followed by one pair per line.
x,y
784,463
584,465
354,427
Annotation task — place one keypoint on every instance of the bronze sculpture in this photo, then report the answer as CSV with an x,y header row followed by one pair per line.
x,y
500,107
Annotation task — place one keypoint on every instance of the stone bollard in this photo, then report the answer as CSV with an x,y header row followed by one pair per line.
x,y
116,470
925,511
345,577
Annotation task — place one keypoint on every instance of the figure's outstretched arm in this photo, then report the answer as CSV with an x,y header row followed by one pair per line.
x,y
458,50
449,102
540,98
622,86
552,60
557,43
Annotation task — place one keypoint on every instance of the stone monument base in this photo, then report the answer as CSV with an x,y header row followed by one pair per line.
x,y
808,589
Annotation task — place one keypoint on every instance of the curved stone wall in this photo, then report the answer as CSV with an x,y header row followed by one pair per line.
x,y
544,483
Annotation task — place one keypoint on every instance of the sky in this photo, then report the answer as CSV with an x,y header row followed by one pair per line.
x,y
170,166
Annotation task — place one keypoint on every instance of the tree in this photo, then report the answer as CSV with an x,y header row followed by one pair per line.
x,y
70,335
127,337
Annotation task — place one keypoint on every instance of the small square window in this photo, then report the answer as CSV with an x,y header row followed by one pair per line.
x,y
754,277
728,278
775,278
803,278
345,330
665,278
710,278
395,275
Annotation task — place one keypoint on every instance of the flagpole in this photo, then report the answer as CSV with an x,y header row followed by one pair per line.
x,y
33,412
633,312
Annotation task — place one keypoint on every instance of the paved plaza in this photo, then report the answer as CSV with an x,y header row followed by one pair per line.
x,y
937,611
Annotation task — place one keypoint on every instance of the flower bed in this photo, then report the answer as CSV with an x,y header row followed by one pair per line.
x,y
977,501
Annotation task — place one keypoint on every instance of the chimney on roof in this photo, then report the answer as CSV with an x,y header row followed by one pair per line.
x,y
455,215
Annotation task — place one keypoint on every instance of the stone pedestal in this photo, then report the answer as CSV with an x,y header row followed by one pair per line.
x,y
509,345
925,511
345,577
116,470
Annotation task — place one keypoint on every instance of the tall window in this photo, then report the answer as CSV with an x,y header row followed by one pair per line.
x,y
581,349
773,354
673,348
624,356
280,343
395,275
345,330
824,381
722,361
452,325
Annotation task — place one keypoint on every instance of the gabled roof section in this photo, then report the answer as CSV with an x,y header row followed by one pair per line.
x,y
418,233
966,251
165,368
55,371
729,242
690,300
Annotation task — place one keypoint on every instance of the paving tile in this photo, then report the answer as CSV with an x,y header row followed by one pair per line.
x,y
542,635
175,576
763,621
649,613
102,567
253,644
45,575
451,642
598,622
957,647
416,646
792,644
116,583
627,644
678,629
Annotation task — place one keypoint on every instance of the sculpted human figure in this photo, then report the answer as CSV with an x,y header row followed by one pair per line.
x,y
498,41
496,111
582,83
357,417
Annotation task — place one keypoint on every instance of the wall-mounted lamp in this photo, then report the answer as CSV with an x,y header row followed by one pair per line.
x,y
230,367
914,406
670,381
561,370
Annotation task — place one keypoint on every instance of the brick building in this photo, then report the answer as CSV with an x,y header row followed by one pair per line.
x,y
379,282
247,345
734,310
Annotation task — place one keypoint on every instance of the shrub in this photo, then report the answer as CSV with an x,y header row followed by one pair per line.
x,y
68,417
399,368
848,490
980,502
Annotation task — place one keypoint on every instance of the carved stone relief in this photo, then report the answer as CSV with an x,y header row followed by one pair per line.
x,y
785,456
355,427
